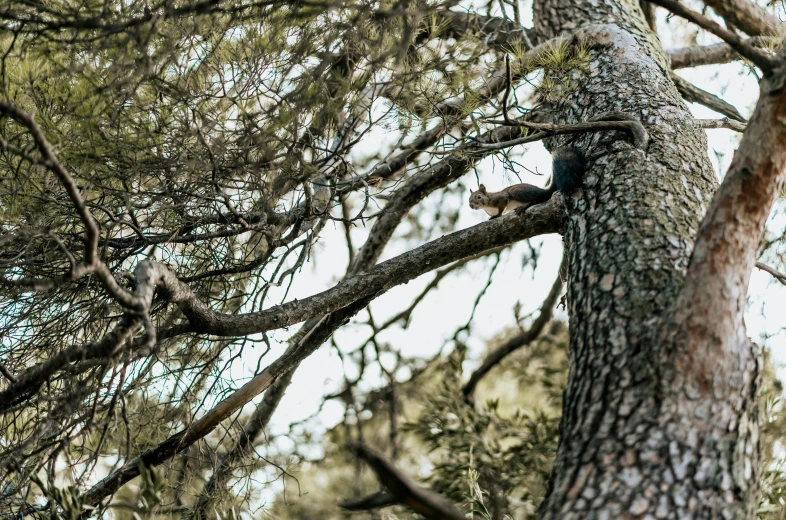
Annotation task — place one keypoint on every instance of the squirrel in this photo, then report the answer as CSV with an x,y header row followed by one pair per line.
x,y
568,171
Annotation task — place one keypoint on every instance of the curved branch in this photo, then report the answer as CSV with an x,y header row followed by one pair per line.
x,y
774,272
747,16
374,501
601,122
51,162
372,282
709,311
499,33
29,381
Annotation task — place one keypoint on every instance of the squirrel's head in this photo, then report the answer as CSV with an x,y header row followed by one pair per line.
x,y
478,199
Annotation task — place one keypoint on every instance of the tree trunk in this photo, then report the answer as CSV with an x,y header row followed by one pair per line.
x,y
639,437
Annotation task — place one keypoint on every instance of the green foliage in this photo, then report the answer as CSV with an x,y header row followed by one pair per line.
x,y
172,126
491,458
64,503
494,457
190,138
151,486
561,65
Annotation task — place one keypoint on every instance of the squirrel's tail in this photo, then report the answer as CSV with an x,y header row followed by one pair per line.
x,y
568,169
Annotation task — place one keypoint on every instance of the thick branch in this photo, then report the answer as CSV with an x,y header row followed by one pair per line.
x,y
759,58
405,490
409,194
716,285
649,14
263,412
372,282
746,16
714,54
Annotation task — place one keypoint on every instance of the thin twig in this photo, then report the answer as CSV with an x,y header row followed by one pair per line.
x,y
520,340
508,87
776,274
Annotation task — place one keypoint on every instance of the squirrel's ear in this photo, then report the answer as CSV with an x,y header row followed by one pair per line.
x,y
482,188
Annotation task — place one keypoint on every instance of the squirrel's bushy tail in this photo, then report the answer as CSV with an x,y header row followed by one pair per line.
x,y
568,169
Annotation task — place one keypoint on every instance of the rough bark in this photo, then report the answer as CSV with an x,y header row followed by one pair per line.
x,y
711,368
638,438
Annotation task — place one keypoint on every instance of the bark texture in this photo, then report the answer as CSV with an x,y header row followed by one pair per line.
x,y
637,441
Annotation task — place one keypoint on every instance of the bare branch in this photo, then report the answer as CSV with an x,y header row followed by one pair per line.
x,y
649,14
774,272
717,53
51,162
398,206
604,121
717,278
761,59
29,381
746,16
405,490
251,430
374,501
721,123
353,294
8,375
500,34
694,94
